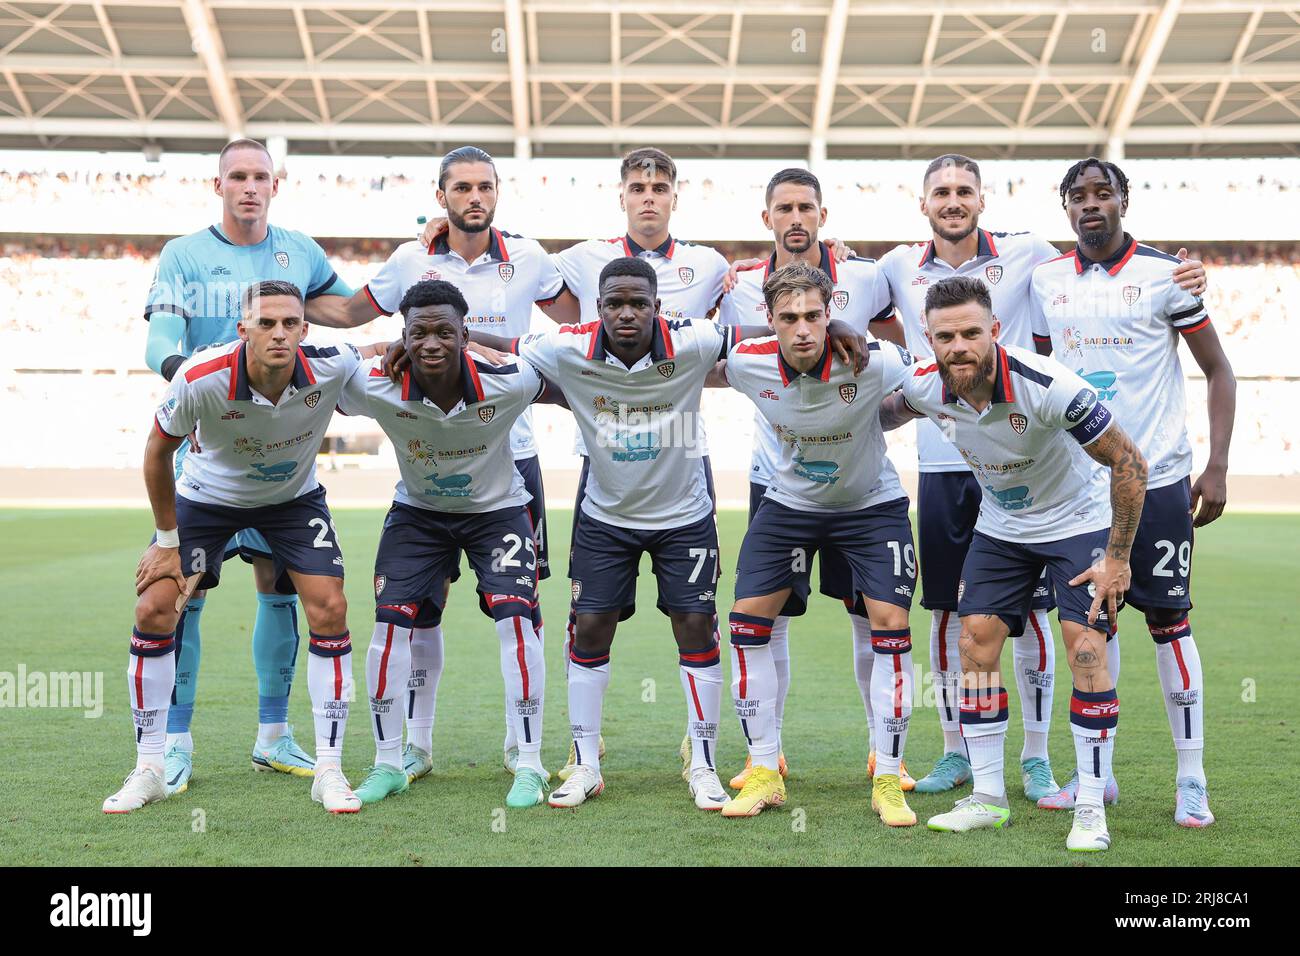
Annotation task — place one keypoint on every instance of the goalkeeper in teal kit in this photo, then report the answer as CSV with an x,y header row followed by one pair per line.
x,y
194,304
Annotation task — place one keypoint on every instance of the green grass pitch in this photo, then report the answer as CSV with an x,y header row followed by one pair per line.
x,y
66,593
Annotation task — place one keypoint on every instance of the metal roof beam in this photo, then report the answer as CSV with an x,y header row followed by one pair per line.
x,y
207,44
601,135
1137,88
828,80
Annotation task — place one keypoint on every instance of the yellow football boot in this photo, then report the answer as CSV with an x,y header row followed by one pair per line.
x,y
763,789
739,780
905,778
888,801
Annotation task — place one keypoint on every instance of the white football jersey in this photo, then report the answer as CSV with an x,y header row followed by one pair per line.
x,y
861,296
1025,447
640,424
244,451
827,422
456,461
500,287
689,276
1004,262
688,279
1117,324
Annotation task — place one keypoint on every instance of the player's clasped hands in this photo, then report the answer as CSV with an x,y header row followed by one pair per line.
x,y
158,564
1110,578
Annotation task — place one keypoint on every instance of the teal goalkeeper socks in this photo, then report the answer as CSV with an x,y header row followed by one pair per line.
x,y
188,644
275,654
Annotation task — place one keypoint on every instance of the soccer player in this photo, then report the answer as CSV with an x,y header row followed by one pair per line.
x,y
831,489
501,276
452,420
1113,310
254,412
794,213
1028,427
948,495
194,304
634,381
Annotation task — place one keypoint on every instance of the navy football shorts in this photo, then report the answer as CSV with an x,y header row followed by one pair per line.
x,y
874,545
300,535
417,548
948,505
999,577
1162,550
604,562
531,470
248,544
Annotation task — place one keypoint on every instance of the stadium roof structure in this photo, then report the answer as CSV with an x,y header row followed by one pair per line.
x,y
811,79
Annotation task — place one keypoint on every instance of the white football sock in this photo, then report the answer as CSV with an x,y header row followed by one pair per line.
x,y
388,672
1178,662
422,687
329,681
184,741
701,676
864,659
984,729
150,675
588,681
1034,653
780,645
891,696
754,686
268,734
1093,720
945,667
524,670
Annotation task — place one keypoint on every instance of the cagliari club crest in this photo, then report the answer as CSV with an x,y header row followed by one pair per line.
x,y
487,413
848,392
841,299
1018,422
686,274
993,274
313,399
667,369
506,270
1131,293
283,259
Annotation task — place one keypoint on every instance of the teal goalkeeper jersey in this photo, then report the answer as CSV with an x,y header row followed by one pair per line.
x,y
202,277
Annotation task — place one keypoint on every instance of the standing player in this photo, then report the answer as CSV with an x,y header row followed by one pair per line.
x,y
1112,308
194,304
794,213
1027,427
634,381
501,276
452,420
832,489
255,412
948,495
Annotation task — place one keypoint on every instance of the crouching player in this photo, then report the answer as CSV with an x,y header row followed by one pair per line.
x,y
833,489
1027,426
254,412
450,419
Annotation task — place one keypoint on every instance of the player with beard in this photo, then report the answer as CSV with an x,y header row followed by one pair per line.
x,y
860,297
502,277
1113,310
1030,430
948,497
634,381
